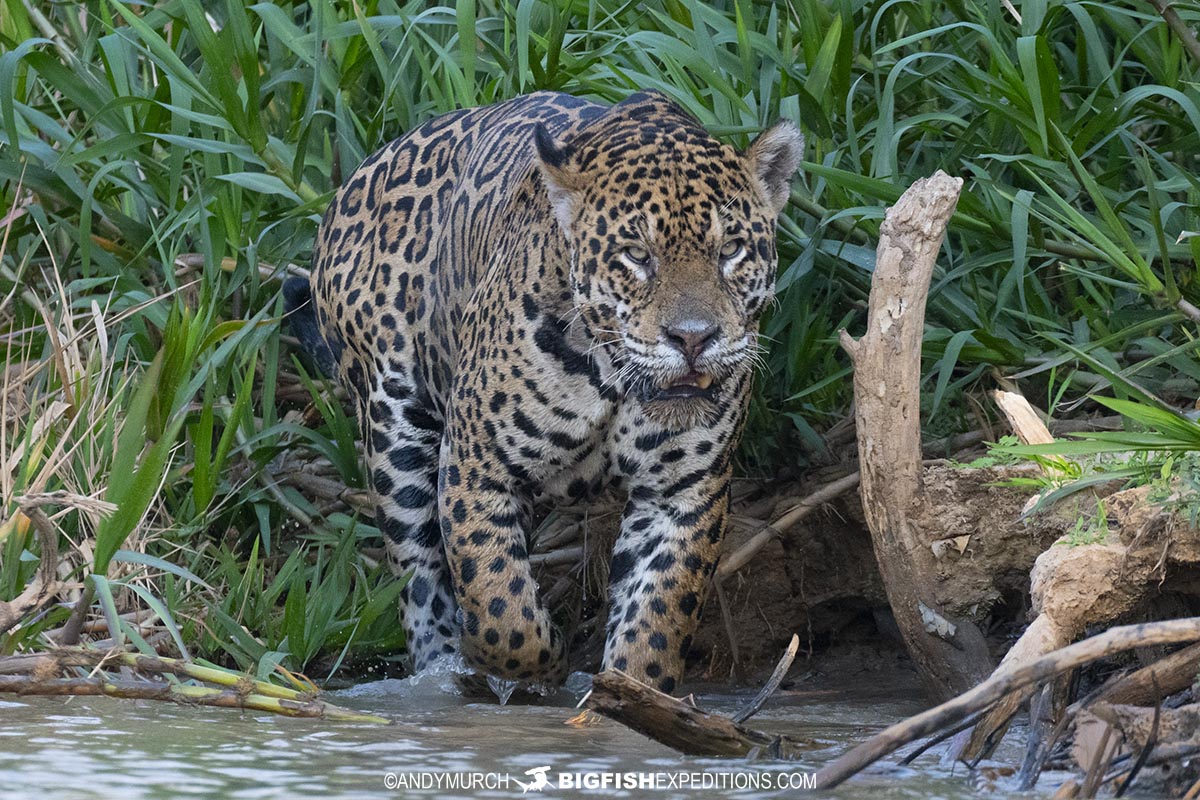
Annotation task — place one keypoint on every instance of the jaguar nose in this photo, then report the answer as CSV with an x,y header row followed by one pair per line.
x,y
691,336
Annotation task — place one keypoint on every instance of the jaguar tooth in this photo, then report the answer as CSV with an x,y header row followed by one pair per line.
x,y
704,381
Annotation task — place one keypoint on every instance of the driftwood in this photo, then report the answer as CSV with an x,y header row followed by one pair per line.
x,y
1043,735
1116,742
681,726
1004,682
1153,682
1147,686
950,652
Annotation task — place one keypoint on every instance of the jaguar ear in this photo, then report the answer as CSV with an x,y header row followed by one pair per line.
x,y
560,174
774,158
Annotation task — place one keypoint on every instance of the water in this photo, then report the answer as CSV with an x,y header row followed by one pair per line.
x,y
64,749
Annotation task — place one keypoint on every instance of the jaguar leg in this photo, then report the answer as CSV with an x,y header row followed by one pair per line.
x,y
506,629
402,452
662,565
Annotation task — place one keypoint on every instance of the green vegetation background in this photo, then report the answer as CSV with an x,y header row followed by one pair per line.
x,y
162,164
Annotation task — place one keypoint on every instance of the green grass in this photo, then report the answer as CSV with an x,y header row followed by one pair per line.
x,y
1089,529
160,166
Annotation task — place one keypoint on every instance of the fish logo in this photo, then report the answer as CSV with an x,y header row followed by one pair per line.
x,y
538,783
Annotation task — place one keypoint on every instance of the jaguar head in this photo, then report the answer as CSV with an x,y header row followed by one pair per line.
x,y
672,242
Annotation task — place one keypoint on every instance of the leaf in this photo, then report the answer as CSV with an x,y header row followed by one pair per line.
x,y
1169,423
1041,78
9,62
295,619
821,70
109,608
945,367
131,557
158,607
262,183
1114,377
135,477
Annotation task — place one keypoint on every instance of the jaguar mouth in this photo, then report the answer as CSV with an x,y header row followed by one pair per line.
x,y
692,384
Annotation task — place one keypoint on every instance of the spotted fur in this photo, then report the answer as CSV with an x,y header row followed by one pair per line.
x,y
537,300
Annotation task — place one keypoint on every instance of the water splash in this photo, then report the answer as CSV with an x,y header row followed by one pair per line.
x,y
578,684
501,688
436,685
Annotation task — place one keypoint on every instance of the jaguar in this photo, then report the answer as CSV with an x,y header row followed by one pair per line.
x,y
539,301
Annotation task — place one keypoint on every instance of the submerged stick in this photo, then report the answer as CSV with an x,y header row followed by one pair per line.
x,y
680,726
1002,683
26,674
183,695
58,660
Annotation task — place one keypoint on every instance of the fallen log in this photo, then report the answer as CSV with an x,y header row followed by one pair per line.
x,y
1019,678
681,726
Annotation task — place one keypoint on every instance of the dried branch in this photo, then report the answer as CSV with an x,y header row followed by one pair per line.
x,y
1004,682
182,694
44,586
739,558
768,689
1189,42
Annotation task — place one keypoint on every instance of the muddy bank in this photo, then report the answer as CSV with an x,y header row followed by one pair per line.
x,y
819,578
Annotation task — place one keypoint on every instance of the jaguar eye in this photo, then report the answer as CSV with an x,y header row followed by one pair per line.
x,y
731,249
638,255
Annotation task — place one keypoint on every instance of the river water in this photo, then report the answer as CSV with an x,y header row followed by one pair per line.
x,y
64,749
